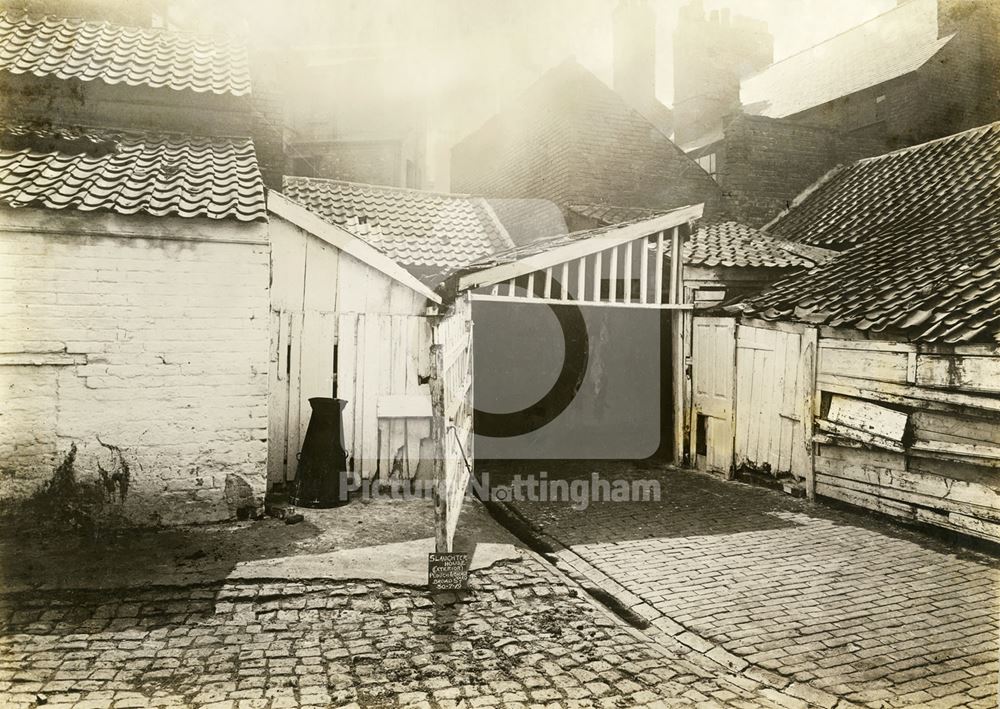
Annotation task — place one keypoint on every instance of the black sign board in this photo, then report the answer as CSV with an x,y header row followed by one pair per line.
x,y
448,571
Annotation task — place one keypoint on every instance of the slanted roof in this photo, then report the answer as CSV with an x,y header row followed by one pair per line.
x,y
101,51
956,177
554,250
346,241
921,229
891,45
937,283
130,172
720,243
528,219
428,232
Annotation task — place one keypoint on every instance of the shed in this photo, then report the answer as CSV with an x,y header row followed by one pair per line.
x,y
884,361
134,320
346,321
134,274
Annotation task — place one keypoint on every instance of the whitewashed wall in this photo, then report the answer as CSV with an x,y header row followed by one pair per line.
x,y
146,334
334,318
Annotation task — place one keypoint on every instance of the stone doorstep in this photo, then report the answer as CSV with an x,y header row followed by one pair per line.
x,y
629,608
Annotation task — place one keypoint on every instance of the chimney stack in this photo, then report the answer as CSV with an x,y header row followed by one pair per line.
x,y
635,52
711,55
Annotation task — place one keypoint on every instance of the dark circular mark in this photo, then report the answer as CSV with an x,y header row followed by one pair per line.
x,y
576,356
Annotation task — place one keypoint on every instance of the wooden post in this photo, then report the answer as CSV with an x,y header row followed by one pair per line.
x,y
644,270
438,430
628,272
658,276
598,265
564,283
678,349
581,274
613,276
808,356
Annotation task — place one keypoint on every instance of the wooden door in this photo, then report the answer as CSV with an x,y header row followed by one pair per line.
x,y
712,402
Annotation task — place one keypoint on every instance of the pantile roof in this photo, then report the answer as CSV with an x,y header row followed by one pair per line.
x,y
891,45
950,178
430,233
937,283
130,172
100,51
719,243
924,223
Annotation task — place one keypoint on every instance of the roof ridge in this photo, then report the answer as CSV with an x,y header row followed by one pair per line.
x,y
17,16
828,39
985,128
388,188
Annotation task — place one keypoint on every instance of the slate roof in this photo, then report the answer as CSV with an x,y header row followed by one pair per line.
x,y
430,233
950,178
925,227
891,45
528,219
720,243
67,48
130,172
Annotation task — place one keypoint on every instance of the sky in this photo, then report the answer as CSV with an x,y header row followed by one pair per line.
x,y
508,43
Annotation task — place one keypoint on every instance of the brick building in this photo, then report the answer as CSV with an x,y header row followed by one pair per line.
x,y
925,69
135,272
571,139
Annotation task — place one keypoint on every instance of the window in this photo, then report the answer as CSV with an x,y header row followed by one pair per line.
x,y
707,163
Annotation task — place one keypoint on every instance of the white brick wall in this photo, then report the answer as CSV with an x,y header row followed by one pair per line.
x,y
155,345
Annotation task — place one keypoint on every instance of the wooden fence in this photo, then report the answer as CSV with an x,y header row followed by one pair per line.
x,y
451,427
906,429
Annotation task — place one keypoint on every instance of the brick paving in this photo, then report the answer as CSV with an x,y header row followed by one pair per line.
x,y
522,636
835,601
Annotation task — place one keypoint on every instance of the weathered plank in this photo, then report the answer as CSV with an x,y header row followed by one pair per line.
x,y
865,437
932,491
867,364
888,391
955,428
867,416
975,374
961,523
871,502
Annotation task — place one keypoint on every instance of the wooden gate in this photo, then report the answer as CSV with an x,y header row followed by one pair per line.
x,y
770,397
451,426
712,401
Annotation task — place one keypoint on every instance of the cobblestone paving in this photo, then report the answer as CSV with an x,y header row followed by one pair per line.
x,y
842,602
521,637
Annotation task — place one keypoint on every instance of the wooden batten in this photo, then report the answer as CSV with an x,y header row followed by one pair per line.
x,y
658,273
628,272
644,271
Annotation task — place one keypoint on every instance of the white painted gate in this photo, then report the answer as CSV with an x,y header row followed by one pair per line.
x,y
451,427
712,400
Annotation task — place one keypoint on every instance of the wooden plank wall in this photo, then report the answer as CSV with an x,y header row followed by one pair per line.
x,y
770,385
340,327
945,469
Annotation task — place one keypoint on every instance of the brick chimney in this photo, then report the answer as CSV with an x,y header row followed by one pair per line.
x,y
711,55
635,52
